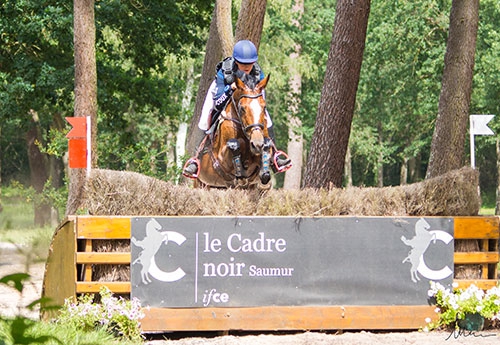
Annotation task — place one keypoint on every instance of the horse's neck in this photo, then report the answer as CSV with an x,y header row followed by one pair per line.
x,y
223,132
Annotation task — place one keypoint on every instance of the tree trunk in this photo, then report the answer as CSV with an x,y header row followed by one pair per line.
x,y
348,168
251,21
403,174
448,141
225,26
85,90
38,170
325,166
212,56
295,146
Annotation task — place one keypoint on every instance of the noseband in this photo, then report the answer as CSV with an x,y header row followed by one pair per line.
x,y
253,126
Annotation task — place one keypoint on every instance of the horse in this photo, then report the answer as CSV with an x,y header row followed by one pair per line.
x,y
237,154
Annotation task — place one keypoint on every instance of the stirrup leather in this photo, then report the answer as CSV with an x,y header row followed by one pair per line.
x,y
275,162
189,161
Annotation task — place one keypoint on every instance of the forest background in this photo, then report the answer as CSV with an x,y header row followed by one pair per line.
x,y
150,56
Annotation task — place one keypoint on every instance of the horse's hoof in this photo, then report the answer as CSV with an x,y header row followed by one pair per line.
x,y
265,177
261,186
241,182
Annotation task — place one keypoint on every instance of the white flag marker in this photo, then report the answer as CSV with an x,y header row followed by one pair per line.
x,y
478,126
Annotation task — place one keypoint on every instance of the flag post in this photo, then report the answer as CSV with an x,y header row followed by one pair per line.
x,y
89,146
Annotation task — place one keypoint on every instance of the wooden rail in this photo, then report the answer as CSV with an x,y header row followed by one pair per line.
x,y
72,260
486,231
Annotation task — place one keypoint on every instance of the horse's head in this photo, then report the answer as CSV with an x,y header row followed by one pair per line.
x,y
422,226
251,109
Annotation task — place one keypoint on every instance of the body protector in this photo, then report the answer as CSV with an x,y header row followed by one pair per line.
x,y
220,91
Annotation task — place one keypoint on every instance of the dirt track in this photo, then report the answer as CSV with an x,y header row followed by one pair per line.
x,y
349,338
12,303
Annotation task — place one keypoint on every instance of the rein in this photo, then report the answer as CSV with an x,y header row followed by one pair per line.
x,y
237,107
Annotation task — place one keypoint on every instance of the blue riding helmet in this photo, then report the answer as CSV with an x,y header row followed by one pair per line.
x,y
245,52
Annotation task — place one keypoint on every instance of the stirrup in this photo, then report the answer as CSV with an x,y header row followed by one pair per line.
x,y
189,161
275,162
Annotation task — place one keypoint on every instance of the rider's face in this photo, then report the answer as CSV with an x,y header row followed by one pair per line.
x,y
244,67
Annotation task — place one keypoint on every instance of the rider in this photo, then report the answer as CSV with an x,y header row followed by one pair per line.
x,y
243,64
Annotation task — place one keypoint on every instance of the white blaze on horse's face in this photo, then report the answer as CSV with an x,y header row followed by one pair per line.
x,y
256,110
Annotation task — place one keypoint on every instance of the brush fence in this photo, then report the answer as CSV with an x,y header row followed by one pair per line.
x,y
271,273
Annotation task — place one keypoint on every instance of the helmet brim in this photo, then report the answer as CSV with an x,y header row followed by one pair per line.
x,y
246,61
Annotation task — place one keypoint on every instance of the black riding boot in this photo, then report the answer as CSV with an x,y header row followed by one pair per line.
x,y
282,163
191,168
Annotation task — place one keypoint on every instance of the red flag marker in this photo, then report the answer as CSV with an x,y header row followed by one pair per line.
x,y
77,145
79,129
77,153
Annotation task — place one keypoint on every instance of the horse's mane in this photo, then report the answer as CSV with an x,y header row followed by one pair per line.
x,y
250,80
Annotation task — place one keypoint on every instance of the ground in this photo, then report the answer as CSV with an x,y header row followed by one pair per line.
x,y
12,303
14,259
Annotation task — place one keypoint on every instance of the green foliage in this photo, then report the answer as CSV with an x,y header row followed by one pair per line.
x,y
37,332
142,50
147,51
36,73
15,280
22,330
116,316
400,83
279,38
27,195
486,91
453,306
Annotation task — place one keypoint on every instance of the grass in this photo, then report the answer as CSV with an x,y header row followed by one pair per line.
x,y
16,214
17,227
53,334
487,211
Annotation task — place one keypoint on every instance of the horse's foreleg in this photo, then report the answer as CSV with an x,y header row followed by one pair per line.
x,y
265,174
234,146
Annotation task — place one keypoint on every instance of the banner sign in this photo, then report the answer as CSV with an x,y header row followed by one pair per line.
x,y
287,261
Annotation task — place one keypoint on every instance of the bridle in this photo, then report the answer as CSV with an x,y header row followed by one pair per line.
x,y
237,107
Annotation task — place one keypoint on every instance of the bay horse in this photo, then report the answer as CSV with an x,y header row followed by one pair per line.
x,y
237,154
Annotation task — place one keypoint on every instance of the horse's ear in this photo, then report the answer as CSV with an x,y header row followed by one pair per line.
x,y
239,83
262,84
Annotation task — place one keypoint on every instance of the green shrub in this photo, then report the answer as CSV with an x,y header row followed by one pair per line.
x,y
117,316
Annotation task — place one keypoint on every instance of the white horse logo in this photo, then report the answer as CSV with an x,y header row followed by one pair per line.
x,y
150,245
419,243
